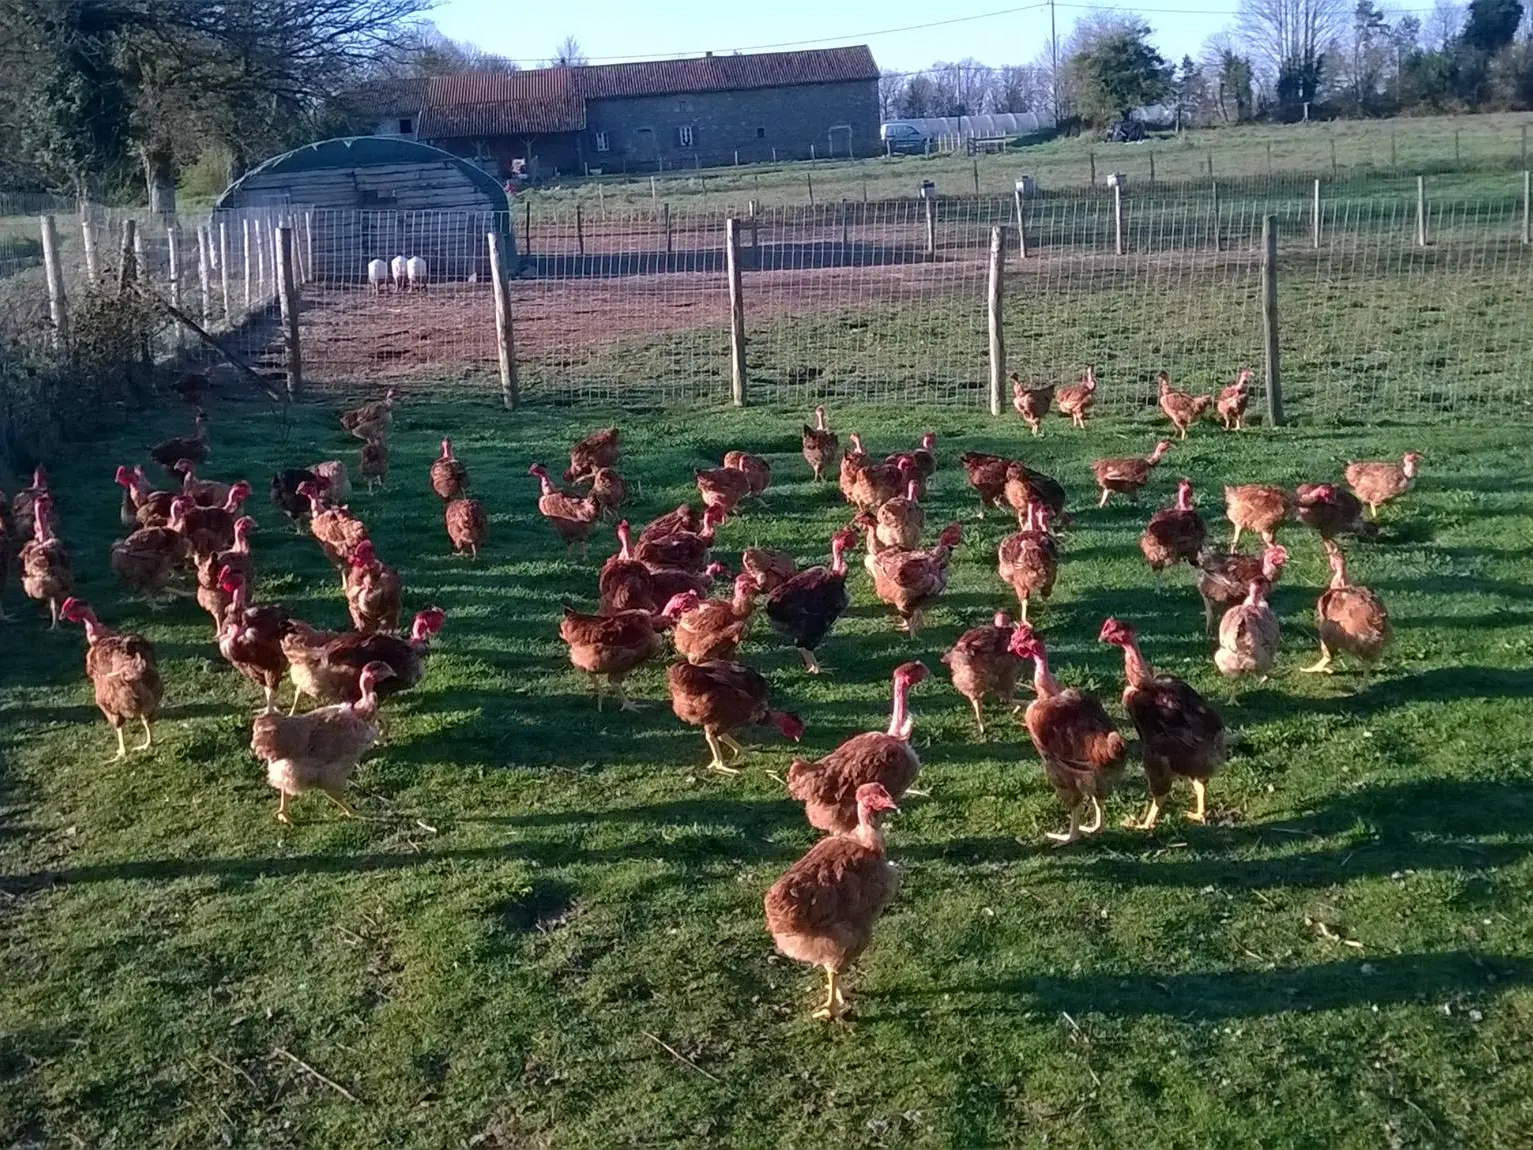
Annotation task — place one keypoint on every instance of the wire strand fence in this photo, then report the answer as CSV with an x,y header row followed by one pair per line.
x,y
1394,300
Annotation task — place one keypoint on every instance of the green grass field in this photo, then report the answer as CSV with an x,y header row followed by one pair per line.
x,y
1406,147
545,928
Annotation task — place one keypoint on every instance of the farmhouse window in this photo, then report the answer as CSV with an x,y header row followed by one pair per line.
x,y
406,127
760,133
684,135
602,143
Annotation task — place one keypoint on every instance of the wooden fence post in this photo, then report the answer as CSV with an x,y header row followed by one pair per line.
x,y
995,298
127,259
665,219
202,274
1421,211
1270,320
58,306
846,239
580,232
88,240
505,343
1021,230
1456,152
258,226
1393,154
1092,158
931,227
1527,204
1152,169
287,296
809,179
223,268
1218,243
1315,215
976,176
1333,157
1117,217
245,229
308,247
736,312
173,256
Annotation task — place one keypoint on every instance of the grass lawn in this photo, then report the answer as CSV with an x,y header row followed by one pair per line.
x,y
1405,147
546,927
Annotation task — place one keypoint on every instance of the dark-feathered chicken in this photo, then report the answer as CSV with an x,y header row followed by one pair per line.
x,y
194,447
685,518
1025,486
1180,735
625,583
822,911
1333,511
251,637
1082,752
1174,534
467,525
598,450
987,476
328,667
806,607
286,497
1224,580
124,672
679,548
373,463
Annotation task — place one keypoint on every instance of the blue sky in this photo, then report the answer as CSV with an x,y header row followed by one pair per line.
x,y
607,29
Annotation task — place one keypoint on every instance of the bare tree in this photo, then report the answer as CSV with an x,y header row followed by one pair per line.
x,y
568,54
1443,25
890,85
1022,88
1287,40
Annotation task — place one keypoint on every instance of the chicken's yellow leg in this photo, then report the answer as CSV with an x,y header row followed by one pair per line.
x,y
282,799
1096,825
1151,814
835,1005
1059,838
979,714
717,763
1323,667
122,746
729,741
1199,812
335,797
148,735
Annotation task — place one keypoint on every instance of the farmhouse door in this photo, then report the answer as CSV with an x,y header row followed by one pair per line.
x,y
645,150
841,140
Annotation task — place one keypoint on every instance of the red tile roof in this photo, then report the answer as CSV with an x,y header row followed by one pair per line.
x,y
553,99
728,73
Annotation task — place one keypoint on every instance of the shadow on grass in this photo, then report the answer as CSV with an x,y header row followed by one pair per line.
x,y
1385,980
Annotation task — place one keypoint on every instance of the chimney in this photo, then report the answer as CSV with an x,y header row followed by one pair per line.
x,y
707,55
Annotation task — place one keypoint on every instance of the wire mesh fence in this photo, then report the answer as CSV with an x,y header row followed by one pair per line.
x,y
1393,300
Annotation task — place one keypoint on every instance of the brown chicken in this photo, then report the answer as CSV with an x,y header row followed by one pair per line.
x,y
900,522
1180,735
1349,618
853,460
147,559
669,582
1024,486
805,607
1032,403
1181,408
150,508
46,573
823,909
1028,560
600,449
124,672
1174,534
1127,476
909,580
877,483
1232,401
987,476
449,478
371,421
1257,507
572,518
1076,399
686,550
1083,754
1379,482
327,666
251,637
982,664
467,526
373,463
612,646
721,697
768,567
373,591
923,460
1332,511
332,477
822,449
208,529
714,628
194,447
609,489
320,750
1224,580
685,518
756,469
722,487
25,500
625,583
202,492
828,787
1249,634
211,596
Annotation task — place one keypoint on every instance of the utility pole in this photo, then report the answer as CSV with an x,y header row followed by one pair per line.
x,y
1054,62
